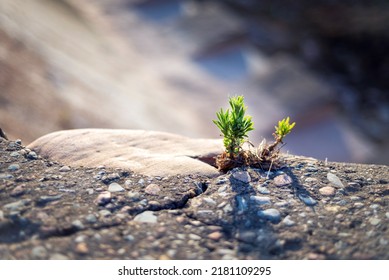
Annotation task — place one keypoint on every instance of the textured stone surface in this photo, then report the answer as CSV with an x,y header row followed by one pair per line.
x,y
145,152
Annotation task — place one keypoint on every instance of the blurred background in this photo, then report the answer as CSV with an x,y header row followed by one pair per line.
x,y
169,65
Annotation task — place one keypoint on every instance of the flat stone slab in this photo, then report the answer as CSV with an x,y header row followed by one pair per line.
x,y
148,153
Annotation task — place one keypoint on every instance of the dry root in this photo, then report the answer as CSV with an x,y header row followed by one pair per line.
x,y
263,158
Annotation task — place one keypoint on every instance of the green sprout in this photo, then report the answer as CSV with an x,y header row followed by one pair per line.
x,y
234,125
283,128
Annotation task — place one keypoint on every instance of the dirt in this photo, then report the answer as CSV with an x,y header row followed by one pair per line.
x,y
50,211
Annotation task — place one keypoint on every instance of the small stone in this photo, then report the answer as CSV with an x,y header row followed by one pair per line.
x,y
141,182
1,215
327,191
103,198
263,190
17,191
104,213
272,214
310,180
80,238
58,256
334,180
180,219
91,218
39,252
194,236
260,199
307,199
283,180
15,154
247,236
64,168
13,167
242,176
374,221
209,201
44,199
78,224
146,217
215,235
241,204
358,205
82,248
129,238
115,187
32,155
352,187
311,168
134,196
17,205
387,215
288,221
281,203
6,176
153,189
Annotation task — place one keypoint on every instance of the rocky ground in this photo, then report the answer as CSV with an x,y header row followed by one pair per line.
x,y
309,209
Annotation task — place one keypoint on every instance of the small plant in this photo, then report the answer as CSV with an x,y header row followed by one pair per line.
x,y
234,126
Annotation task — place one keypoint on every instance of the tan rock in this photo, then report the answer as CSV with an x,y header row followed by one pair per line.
x,y
145,152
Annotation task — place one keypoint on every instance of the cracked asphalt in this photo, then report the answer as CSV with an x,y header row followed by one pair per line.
x,y
306,210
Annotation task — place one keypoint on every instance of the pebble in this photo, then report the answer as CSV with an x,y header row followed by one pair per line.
x,y
272,214
358,205
260,199
281,204
104,213
247,236
387,215
374,221
103,198
58,256
146,217
6,176
32,155
307,199
282,180
311,168
194,236
13,167
242,203
221,181
82,248
1,215
17,191
129,238
48,198
209,201
91,218
64,168
263,190
353,187
134,196
215,235
242,176
327,191
17,205
310,180
39,252
288,221
334,180
153,189
15,154
78,225
115,187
